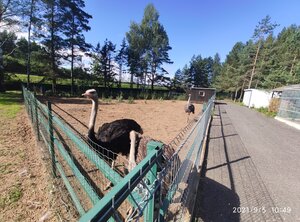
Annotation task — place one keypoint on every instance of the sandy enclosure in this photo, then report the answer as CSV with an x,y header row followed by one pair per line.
x,y
160,119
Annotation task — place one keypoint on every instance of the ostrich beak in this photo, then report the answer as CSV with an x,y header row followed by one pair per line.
x,y
84,94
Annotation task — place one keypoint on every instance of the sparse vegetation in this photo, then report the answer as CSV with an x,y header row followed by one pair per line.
x,y
13,195
10,104
120,98
4,168
266,112
130,100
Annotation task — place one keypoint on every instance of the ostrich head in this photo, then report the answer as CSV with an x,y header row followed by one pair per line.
x,y
91,94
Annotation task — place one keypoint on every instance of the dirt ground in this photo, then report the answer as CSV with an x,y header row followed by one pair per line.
x,y
24,191
161,120
26,188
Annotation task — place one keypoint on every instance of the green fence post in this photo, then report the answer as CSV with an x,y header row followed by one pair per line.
x,y
36,118
30,108
52,154
151,176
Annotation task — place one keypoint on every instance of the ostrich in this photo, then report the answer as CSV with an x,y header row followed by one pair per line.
x,y
118,136
189,107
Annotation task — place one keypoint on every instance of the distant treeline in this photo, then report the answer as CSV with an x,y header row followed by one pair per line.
x,y
265,61
57,41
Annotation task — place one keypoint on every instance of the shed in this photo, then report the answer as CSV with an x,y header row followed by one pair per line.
x,y
256,98
201,95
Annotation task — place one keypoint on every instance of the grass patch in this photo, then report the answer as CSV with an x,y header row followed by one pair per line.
x,y
10,104
266,112
5,168
15,194
239,103
130,100
14,77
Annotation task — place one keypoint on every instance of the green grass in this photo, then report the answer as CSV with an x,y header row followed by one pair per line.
x,y
13,195
266,112
66,81
5,168
130,100
37,79
10,104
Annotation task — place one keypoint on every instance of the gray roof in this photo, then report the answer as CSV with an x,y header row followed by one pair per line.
x,y
280,89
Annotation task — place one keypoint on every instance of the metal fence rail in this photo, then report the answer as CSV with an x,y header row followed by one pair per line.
x,y
145,194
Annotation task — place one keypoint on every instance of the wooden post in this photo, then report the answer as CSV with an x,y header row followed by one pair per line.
x,y
52,154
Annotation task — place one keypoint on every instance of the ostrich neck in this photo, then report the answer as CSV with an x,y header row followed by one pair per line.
x,y
93,115
189,100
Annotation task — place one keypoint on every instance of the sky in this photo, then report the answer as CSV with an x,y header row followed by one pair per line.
x,y
194,27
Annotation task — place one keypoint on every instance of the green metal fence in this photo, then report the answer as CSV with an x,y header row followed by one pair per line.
x,y
145,194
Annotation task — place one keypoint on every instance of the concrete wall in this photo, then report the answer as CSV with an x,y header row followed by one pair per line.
x,y
256,98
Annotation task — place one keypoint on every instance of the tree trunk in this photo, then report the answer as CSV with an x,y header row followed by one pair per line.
x,y
242,90
254,64
131,80
257,81
72,58
1,72
53,51
152,86
120,75
72,70
29,43
235,94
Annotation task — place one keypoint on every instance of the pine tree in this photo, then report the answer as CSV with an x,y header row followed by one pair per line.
x,y
10,11
121,58
264,27
75,23
148,43
51,34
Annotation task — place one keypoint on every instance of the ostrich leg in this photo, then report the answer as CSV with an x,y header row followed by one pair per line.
x,y
110,184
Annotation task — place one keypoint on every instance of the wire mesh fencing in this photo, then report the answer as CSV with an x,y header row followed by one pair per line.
x,y
157,189
290,105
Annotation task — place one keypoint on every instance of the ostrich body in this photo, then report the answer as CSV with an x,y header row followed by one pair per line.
x,y
189,107
118,136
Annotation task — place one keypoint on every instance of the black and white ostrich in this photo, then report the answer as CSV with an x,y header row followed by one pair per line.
x,y
189,107
121,136
118,136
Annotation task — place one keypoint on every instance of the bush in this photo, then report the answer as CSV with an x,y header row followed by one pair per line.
x,y
130,100
274,105
181,97
120,98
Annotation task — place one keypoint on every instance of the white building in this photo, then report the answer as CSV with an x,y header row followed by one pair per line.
x,y
256,98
